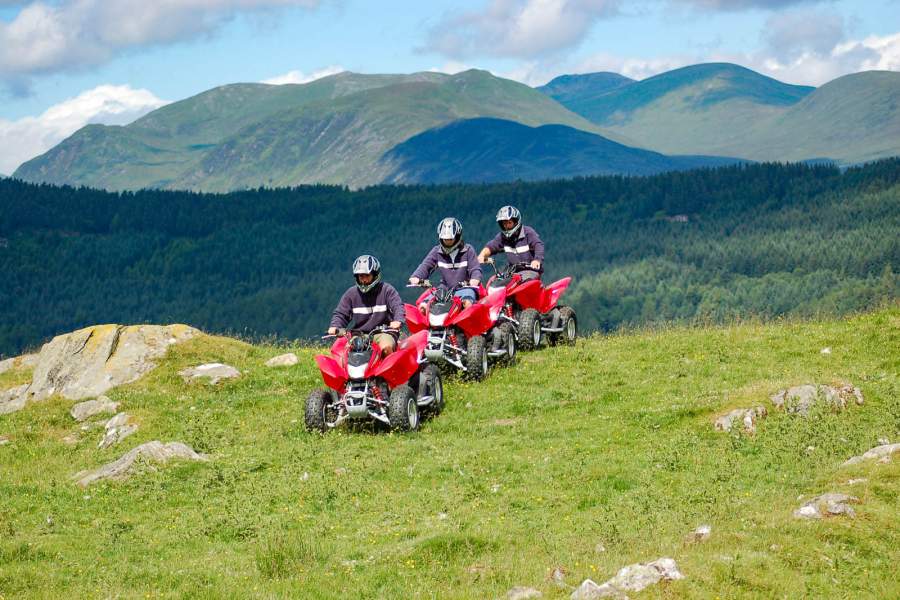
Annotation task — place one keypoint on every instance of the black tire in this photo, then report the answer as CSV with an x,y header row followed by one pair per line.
x,y
510,341
569,324
403,411
530,332
476,358
318,415
430,383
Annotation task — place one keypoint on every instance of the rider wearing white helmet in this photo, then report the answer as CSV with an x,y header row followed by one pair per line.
x,y
369,304
521,243
455,259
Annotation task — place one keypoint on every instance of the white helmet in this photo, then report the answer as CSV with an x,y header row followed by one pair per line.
x,y
367,265
510,213
450,229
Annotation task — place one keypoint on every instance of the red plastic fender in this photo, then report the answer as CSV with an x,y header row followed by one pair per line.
x,y
495,302
398,367
551,294
333,373
474,320
415,320
528,294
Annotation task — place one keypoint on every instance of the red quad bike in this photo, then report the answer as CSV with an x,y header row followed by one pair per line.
x,y
458,336
534,308
364,385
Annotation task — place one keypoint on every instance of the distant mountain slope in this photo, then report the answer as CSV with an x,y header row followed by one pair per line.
x,y
494,150
333,130
577,91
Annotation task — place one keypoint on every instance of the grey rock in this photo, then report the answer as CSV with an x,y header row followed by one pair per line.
x,y
827,505
746,417
284,360
523,593
881,452
28,361
701,534
14,399
214,372
89,408
632,578
25,361
151,452
6,365
799,399
117,429
88,362
3,440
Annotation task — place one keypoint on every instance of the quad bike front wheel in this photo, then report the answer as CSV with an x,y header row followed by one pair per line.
x,y
530,331
403,410
320,415
430,384
476,358
569,324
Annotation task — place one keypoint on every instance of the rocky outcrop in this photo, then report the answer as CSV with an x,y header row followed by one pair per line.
x,y
147,454
801,398
88,362
827,505
632,578
213,372
26,361
283,360
523,593
745,417
117,429
14,399
90,408
882,452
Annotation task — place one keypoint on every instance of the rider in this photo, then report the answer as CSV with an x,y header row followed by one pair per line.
x,y
370,304
521,243
455,259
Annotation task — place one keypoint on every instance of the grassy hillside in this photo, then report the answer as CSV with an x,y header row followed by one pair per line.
x,y
579,91
494,150
608,443
333,130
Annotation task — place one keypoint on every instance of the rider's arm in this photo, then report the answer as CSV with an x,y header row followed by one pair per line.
x,y
426,267
492,247
473,267
537,246
395,305
342,312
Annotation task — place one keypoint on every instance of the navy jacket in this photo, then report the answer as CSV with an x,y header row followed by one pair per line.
x,y
526,248
461,267
378,306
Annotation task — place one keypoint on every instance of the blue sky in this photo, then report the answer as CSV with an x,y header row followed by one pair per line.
x,y
64,63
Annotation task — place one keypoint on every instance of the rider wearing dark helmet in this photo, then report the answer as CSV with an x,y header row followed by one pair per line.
x,y
521,243
369,304
454,258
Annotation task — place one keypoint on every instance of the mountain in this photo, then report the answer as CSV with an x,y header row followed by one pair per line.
x,y
494,150
334,130
727,110
576,91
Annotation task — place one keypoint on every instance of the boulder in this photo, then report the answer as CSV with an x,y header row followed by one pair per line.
x,y
283,360
117,429
214,372
151,452
632,578
523,593
701,534
14,399
88,362
827,505
883,451
746,417
89,408
6,365
3,440
799,399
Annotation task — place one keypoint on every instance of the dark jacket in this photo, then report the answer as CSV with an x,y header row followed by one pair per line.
x,y
526,248
378,306
454,269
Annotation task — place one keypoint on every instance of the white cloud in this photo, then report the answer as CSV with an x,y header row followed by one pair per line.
x,y
48,37
518,28
737,5
25,138
301,77
451,67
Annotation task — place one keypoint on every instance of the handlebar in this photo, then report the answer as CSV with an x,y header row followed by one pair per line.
x,y
341,332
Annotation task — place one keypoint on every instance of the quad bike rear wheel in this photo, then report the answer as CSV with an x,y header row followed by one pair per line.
x,y
530,331
403,410
430,384
476,358
508,335
320,416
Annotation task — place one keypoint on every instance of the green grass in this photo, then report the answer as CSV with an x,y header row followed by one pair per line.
x,y
608,442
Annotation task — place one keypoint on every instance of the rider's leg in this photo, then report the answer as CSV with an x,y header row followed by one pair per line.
x,y
467,295
386,342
